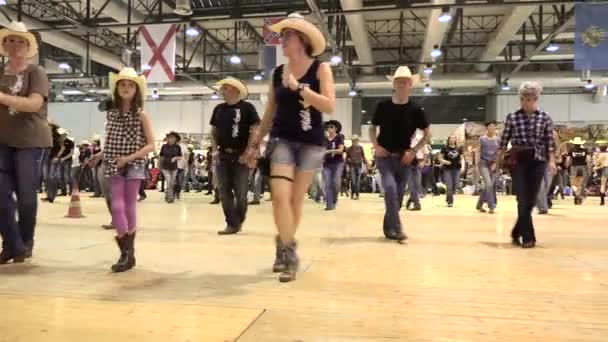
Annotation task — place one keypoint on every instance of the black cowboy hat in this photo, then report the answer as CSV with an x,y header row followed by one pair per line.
x,y
334,123
178,137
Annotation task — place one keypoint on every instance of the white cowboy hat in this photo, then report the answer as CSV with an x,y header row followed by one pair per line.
x,y
18,28
95,137
297,22
354,137
85,142
578,141
62,131
231,81
129,74
405,72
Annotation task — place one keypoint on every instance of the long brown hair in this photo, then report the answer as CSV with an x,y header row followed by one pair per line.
x,y
136,104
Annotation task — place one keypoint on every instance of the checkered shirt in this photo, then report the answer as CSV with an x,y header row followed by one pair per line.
x,y
525,130
124,136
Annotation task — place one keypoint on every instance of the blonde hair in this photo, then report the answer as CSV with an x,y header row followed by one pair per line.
x,y
530,88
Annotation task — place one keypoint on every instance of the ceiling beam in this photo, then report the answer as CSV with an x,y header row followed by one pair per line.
x,y
567,23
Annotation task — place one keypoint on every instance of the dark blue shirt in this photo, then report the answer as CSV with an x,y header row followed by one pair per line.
x,y
294,120
334,144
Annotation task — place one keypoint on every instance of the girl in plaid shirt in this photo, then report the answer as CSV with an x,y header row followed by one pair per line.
x,y
129,139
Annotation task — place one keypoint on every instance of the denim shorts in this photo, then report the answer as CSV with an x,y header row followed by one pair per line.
x,y
133,171
304,157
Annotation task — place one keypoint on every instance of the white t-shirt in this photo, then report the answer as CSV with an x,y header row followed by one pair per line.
x,y
182,164
76,157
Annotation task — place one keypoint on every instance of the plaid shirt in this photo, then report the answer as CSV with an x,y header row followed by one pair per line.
x,y
525,130
124,136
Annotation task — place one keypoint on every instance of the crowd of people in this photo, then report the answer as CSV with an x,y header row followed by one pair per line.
x,y
289,148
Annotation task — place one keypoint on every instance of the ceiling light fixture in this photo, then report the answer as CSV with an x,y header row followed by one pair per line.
x,y
552,47
337,59
352,93
235,59
436,52
445,15
428,89
64,66
505,86
589,85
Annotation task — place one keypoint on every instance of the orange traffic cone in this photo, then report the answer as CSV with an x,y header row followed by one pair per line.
x,y
75,211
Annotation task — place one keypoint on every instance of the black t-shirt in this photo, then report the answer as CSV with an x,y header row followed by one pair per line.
x,y
334,144
69,148
452,154
233,124
168,152
56,144
578,156
84,155
398,124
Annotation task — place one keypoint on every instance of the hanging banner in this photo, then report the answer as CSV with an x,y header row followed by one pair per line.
x,y
591,37
158,52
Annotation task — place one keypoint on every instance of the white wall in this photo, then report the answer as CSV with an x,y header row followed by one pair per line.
x,y
561,107
83,120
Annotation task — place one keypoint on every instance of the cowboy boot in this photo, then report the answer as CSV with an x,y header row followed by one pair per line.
x,y
602,198
279,260
120,264
131,250
292,263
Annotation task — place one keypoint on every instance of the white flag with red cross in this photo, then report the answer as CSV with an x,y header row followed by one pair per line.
x,y
158,52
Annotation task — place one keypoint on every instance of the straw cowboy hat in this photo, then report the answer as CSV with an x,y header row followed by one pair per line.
x,y
129,74
17,28
231,81
85,142
62,131
404,72
297,22
95,138
578,141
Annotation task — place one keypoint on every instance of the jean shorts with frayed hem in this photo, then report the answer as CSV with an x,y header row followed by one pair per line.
x,y
305,157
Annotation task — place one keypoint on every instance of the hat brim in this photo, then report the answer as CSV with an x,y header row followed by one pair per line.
x,y
578,142
175,135
310,30
415,78
5,32
242,88
140,81
334,123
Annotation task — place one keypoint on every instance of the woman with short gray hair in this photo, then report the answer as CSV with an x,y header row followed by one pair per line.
x,y
532,151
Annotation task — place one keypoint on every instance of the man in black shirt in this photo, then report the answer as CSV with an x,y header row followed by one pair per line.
x,y
170,153
232,122
398,120
579,160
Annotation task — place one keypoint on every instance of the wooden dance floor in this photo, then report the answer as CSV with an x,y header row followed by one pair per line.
x,y
457,279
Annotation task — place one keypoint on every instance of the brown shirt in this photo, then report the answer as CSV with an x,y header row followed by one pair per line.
x,y
355,155
25,130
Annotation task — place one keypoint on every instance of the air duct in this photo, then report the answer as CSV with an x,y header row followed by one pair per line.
x,y
183,8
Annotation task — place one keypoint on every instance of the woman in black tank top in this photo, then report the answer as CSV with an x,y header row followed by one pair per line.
x,y
300,91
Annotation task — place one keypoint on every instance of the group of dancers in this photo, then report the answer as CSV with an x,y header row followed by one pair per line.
x,y
299,92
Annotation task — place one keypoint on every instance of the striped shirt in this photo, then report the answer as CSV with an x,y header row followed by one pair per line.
x,y
535,131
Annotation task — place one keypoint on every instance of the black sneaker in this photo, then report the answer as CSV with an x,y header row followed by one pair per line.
x,y
229,231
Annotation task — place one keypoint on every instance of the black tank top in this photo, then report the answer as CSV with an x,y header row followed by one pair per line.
x,y
292,121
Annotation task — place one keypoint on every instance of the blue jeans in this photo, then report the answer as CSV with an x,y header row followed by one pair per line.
x,y
394,178
20,170
527,177
233,180
451,178
415,184
355,180
488,195
542,201
332,176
